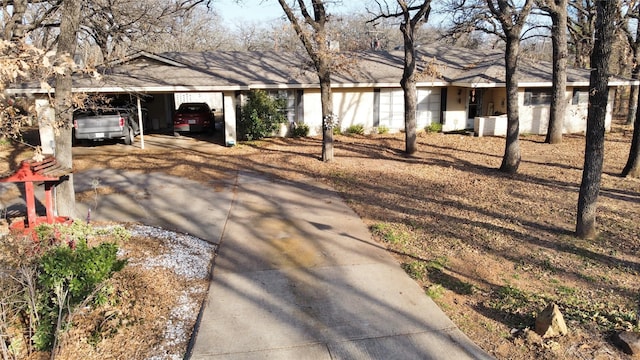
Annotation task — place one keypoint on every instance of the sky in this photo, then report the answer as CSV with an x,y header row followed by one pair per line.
x,y
259,11
265,10
248,10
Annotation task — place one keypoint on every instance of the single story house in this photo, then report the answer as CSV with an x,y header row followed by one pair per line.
x,y
458,88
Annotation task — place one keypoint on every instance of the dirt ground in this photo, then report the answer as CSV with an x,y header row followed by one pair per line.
x,y
491,249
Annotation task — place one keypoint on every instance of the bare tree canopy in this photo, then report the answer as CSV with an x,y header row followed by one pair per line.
x,y
582,17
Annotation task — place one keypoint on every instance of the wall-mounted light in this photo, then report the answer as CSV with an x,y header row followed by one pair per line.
x,y
502,103
459,96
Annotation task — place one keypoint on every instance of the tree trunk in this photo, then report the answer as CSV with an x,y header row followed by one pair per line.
x,y
328,120
511,158
635,73
316,44
559,87
598,100
15,29
67,41
408,83
632,168
632,107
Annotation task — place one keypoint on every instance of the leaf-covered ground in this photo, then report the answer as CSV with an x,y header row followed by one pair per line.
x,y
491,249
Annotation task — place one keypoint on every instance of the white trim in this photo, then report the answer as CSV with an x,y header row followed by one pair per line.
x,y
281,86
477,85
138,89
624,83
150,56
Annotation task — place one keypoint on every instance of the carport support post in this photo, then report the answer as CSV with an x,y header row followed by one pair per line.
x,y
140,123
229,108
46,116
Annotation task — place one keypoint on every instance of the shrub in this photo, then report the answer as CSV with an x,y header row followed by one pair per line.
x,y
337,130
261,116
383,130
69,277
55,275
433,128
300,130
357,129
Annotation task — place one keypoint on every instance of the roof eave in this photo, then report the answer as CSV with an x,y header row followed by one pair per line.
x,y
132,89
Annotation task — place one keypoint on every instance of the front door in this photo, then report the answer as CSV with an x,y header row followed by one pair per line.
x,y
475,106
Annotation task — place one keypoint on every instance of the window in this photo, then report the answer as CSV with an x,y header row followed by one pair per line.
x,y
580,96
290,97
534,97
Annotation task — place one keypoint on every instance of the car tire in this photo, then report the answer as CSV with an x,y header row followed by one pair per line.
x,y
128,136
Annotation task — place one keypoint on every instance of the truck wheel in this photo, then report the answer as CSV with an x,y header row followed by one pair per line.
x,y
129,136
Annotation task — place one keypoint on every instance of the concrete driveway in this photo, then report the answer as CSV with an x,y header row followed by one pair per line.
x,y
297,275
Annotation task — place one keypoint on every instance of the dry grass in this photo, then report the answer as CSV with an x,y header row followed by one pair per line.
x,y
490,248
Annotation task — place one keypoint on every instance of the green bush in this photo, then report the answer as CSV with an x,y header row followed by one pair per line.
x,y
69,277
52,276
261,116
300,130
337,130
433,128
383,130
357,129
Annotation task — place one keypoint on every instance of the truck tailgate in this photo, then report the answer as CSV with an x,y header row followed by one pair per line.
x,y
98,124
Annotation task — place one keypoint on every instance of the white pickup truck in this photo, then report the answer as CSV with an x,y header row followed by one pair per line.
x,y
108,123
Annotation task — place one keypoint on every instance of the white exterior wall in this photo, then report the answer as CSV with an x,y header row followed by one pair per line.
x,y
353,107
575,120
356,106
230,101
455,115
312,112
534,119
609,116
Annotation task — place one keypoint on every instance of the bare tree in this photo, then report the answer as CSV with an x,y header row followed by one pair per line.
x,y
312,31
605,29
581,21
118,25
506,20
512,21
557,10
413,16
358,33
194,31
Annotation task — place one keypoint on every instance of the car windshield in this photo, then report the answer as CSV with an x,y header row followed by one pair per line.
x,y
195,108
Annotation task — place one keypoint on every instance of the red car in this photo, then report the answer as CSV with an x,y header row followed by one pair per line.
x,y
193,117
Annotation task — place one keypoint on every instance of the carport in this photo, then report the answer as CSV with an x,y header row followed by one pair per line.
x,y
151,81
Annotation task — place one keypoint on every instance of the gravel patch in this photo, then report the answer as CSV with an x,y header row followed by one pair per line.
x,y
189,256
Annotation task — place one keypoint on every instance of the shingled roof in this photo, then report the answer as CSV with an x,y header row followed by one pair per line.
x,y
438,65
